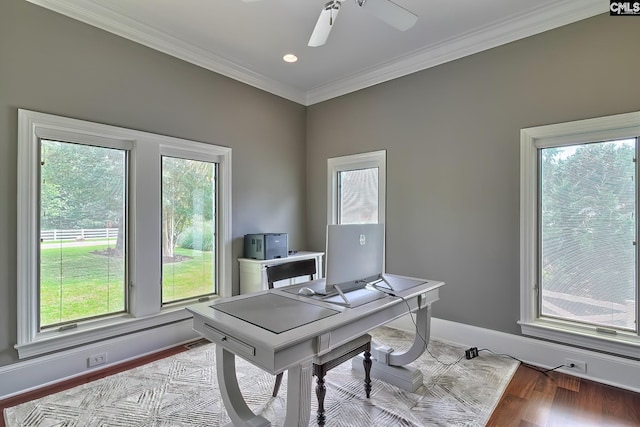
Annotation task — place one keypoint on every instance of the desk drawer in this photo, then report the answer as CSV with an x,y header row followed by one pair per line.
x,y
233,344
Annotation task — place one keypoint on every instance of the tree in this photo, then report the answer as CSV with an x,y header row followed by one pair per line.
x,y
187,195
82,186
588,220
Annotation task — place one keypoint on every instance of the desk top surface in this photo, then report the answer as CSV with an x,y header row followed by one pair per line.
x,y
307,316
273,312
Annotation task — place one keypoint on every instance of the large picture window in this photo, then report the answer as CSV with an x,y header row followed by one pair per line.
x,y
587,265
117,230
82,220
579,232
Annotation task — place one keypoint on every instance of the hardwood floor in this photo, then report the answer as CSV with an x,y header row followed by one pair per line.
x,y
532,399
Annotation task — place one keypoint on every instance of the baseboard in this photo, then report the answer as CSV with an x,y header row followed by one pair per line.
x,y
21,377
603,368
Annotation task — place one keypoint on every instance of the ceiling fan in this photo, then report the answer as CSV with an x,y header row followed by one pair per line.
x,y
385,10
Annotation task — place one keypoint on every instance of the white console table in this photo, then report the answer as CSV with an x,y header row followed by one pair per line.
x,y
253,272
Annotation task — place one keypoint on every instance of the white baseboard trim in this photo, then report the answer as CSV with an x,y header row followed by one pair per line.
x,y
603,368
25,376
21,377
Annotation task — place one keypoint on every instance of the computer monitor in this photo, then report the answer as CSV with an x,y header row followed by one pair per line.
x,y
354,255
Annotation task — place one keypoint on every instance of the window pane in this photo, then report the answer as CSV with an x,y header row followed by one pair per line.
x,y
358,196
587,233
82,250
188,229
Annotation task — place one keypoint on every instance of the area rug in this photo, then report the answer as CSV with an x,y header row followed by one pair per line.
x,y
182,390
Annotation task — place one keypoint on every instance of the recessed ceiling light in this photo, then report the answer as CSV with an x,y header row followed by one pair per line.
x,y
290,57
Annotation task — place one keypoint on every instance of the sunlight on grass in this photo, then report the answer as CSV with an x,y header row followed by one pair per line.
x,y
82,282
192,277
76,283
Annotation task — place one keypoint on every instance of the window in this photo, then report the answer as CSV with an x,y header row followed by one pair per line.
x,y
117,230
82,253
579,259
356,186
188,229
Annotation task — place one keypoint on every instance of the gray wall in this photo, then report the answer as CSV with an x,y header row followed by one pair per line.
x,y
53,64
451,132
452,140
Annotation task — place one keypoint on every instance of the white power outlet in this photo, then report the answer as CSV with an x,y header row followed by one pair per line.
x,y
578,365
97,359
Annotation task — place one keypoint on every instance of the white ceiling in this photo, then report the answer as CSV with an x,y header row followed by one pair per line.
x,y
246,40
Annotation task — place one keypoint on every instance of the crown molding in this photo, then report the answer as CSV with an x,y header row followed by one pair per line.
x,y
98,16
496,34
555,15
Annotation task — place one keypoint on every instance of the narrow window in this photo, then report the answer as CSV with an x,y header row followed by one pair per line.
x,y
358,196
188,229
356,188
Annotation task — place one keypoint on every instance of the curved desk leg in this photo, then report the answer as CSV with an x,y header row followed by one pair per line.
x,y
420,341
298,394
390,366
239,412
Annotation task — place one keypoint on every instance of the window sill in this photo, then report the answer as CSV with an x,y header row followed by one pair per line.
x,y
622,344
99,330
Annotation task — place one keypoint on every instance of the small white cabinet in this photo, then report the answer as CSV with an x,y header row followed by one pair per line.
x,y
253,272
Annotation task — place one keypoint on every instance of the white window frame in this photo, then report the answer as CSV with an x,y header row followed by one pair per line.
x,y
531,139
335,165
144,212
171,150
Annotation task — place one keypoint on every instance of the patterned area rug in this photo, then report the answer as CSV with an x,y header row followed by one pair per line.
x,y
182,390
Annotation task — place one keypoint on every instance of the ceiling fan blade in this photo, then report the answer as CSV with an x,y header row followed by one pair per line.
x,y
325,22
389,12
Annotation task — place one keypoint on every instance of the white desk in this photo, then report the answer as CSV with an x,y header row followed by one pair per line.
x,y
253,275
278,346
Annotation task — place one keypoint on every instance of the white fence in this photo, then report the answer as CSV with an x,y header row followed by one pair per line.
x,y
79,234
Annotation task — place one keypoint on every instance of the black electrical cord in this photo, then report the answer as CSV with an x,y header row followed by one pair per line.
x,y
523,363
426,344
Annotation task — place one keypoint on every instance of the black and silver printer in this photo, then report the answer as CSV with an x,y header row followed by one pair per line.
x,y
266,246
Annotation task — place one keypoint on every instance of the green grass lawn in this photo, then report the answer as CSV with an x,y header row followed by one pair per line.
x,y
189,278
77,283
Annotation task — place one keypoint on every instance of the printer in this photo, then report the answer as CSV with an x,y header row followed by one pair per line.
x,y
266,246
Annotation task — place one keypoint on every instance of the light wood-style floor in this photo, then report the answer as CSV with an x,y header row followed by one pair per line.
x,y
532,399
